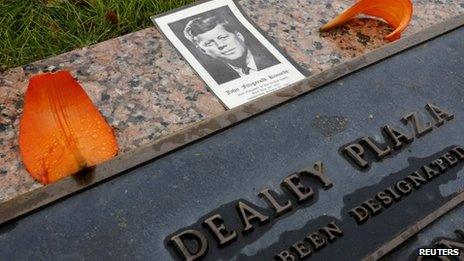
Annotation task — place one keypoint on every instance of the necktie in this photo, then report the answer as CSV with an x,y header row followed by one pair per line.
x,y
246,70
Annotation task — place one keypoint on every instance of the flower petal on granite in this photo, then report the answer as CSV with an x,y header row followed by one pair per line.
x,y
397,13
61,131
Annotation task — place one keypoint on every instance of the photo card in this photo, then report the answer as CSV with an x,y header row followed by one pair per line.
x,y
236,61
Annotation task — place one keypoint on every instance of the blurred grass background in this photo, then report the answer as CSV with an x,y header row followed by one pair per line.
x,y
31,30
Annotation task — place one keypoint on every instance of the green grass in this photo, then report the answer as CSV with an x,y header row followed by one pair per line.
x,y
35,29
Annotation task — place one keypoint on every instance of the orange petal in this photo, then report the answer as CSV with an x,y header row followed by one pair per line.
x,y
61,131
397,13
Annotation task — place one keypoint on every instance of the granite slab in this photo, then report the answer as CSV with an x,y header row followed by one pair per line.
x,y
146,90
137,215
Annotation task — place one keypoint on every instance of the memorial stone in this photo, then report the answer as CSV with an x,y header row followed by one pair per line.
x,y
369,166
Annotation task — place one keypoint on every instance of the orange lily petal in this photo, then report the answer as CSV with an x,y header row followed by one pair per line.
x,y
397,13
61,131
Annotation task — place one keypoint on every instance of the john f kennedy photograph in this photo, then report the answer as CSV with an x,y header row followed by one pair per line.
x,y
235,60
222,45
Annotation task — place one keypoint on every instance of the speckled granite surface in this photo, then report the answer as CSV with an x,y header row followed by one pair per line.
x,y
146,90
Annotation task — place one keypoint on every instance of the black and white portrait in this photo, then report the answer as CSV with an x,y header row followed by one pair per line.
x,y
222,45
237,62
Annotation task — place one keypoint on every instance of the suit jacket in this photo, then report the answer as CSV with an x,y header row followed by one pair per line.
x,y
222,73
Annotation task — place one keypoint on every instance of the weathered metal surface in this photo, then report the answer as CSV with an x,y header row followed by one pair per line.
x,y
135,214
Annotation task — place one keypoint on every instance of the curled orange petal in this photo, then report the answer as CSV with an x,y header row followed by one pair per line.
x,y
397,13
61,130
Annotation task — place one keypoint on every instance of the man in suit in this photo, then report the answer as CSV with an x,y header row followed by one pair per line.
x,y
220,40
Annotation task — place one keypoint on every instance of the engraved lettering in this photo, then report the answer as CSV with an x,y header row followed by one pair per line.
x,y
301,249
384,198
417,179
378,152
440,164
403,187
318,173
393,193
438,114
398,138
356,153
450,159
293,184
459,152
332,231
272,202
285,256
215,224
373,206
316,241
192,235
419,128
248,214
360,214
429,172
